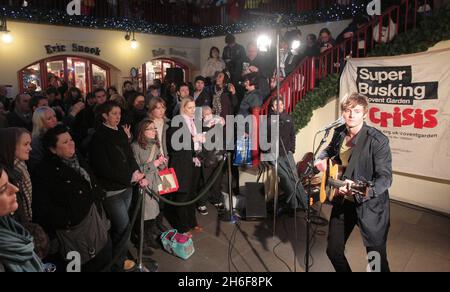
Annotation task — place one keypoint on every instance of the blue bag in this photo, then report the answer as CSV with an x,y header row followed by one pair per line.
x,y
243,154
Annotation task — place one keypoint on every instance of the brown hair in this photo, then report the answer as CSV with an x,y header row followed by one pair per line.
x,y
9,138
355,99
142,127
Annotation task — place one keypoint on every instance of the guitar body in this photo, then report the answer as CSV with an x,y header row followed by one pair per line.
x,y
334,171
331,182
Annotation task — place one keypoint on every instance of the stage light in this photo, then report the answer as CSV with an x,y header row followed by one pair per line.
x,y
264,43
295,45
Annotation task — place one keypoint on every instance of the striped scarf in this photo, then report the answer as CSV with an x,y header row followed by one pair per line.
x,y
25,187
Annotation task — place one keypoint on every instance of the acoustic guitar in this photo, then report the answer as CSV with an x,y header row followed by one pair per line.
x,y
331,183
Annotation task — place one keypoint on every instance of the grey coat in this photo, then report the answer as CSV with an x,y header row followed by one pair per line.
x,y
151,173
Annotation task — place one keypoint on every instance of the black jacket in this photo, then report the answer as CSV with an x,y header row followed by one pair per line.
x,y
112,159
286,133
233,57
204,99
62,198
251,99
374,165
15,121
182,160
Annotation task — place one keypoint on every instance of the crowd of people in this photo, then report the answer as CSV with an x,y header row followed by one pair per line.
x,y
76,162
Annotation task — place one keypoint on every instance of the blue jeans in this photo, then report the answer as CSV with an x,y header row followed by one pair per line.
x,y
117,209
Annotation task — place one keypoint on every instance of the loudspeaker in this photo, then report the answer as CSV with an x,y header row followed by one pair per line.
x,y
255,201
174,75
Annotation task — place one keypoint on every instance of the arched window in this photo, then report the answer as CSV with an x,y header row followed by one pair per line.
x,y
84,73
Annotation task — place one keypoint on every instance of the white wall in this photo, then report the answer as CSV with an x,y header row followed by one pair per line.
x,y
421,191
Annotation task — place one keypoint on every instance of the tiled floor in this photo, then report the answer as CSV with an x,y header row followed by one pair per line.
x,y
418,241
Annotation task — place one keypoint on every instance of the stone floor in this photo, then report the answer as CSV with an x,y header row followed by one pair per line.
x,y
418,241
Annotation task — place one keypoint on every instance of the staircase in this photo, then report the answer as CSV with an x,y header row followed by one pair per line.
x,y
308,74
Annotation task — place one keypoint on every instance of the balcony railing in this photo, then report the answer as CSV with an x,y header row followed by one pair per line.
x,y
395,19
178,12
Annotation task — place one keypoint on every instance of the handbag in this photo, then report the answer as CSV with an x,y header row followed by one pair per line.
x,y
178,244
243,155
169,182
88,238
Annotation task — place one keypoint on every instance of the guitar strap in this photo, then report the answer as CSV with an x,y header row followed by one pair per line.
x,y
356,153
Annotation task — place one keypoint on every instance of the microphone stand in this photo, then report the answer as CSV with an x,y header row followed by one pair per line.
x,y
229,217
141,266
310,199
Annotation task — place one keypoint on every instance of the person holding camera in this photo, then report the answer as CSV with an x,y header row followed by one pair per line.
x,y
326,41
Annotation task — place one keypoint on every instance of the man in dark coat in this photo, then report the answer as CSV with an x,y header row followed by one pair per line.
x,y
202,96
20,116
366,154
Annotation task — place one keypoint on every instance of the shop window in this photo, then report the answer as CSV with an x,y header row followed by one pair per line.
x,y
83,73
31,78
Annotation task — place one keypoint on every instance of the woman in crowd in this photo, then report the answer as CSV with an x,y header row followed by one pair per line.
x,y
187,168
214,63
224,94
116,169
68,203
120,100
16,243
15,147
157,113
136,109
111,91
44,118
147,151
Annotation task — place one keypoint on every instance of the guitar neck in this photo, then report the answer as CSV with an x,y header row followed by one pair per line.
x,y
336,183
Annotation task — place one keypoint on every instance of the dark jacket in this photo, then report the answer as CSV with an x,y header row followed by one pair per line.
x,y
292,62
286,133
181,161
204,99
3,121
112,159
14,120
251,99
233,57
62,198
374,165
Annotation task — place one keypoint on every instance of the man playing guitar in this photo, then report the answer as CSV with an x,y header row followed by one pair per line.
x,y
366,154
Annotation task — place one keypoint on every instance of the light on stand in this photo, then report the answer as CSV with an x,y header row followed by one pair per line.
x,y
264,42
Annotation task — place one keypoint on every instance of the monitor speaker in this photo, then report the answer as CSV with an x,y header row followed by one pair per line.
x,y
255,201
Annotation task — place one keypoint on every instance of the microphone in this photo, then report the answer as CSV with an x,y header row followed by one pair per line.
x,y
339,122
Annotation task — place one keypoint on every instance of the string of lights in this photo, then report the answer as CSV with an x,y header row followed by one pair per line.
x,y
332,13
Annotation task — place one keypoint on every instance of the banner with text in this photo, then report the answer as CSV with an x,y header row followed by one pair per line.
x,y
410,103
